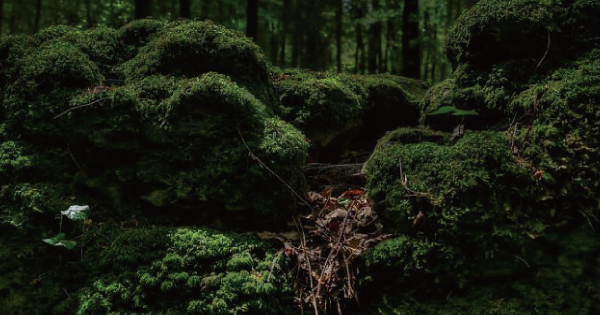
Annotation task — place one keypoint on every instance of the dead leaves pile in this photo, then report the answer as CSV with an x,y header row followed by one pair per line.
x,y
326,244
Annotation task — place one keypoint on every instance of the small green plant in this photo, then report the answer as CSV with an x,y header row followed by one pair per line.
x,y
76,213
459,130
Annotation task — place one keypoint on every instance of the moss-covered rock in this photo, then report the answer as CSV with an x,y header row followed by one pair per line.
x,y
340,112
503,220
191,271
495,31
166,138
193,48
500,48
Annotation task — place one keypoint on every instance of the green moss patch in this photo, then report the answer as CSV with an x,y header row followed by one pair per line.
x,y
340,112
190,271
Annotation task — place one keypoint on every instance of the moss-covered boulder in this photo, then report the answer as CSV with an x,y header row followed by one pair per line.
x,y
503,219
179,122
183,271
500,48
340,112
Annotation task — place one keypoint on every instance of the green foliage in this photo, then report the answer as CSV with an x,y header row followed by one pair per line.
x,y
20,202
197,272
14,161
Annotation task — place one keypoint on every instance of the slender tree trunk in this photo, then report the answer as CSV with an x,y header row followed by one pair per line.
x,y
393,47
339,16
273,42
142,9
411,56
1,15
360,59
88,13
252,20
184,9
311,32
298,38
220,12
374,42
38,14
284,29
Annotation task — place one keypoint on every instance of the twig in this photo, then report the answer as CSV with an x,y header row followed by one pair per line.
x,y
546,53
310,273
81,106
335,249
262,164
523,260
71,154
273,264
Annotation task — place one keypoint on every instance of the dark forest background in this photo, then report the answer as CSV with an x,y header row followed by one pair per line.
x,y
401,37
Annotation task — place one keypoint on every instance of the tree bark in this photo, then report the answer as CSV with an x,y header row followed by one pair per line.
x,y
393,52
38,14
252,20
311,29
142,9
88,13
284,29
411,56
1,15
360,59
184,9
298,38
339,11
374,42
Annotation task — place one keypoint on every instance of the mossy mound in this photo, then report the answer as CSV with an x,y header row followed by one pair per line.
x,y
145,133
503,220
193,48
495,31
340,112
183,271
500,48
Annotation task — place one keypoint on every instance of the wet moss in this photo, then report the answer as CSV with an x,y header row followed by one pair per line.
x,y
185,271
494,31
340,112
502,221
192,48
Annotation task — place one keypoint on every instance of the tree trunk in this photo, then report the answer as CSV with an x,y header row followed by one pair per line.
x,y
142,9
298,38
88,13
411,57
374,41
252,20
1,15
360,59
311,33
184,9
393,51
339,16
284,29
38,14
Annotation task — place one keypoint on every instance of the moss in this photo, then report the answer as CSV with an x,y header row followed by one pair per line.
x,y
200,271
138,33
44,78
340,112
561,139
409,136
494,31
466,181
192,48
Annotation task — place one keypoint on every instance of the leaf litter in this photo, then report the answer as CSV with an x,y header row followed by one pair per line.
x,y
327,244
